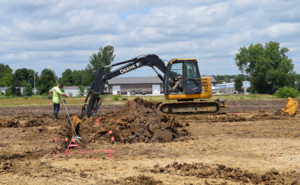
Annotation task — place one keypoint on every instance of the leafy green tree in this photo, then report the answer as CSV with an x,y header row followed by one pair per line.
x,y
238,84
13,91
103,58
244,77
28,91
67,77
46,81
10,91
22,77
268,66
82,77
75,77
5,75
17,91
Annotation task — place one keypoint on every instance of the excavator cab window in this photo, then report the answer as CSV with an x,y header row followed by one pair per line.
x,y
183,77
193,80
176,78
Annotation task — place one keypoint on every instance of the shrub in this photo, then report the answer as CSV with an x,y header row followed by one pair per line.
x,y
124,98
81,90
117,97
286,92
46,96
10,91
249,90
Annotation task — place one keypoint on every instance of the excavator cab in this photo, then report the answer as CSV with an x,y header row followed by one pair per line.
x,y
182,80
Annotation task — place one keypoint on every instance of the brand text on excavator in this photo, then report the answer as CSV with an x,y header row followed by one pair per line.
x,y
127,69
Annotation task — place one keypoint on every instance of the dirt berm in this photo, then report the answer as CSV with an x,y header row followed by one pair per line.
x,y
137,121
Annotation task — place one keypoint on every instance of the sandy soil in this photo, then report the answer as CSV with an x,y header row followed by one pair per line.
x,y
244,144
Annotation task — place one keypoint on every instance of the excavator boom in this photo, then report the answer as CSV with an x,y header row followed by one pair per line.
x,y
93,96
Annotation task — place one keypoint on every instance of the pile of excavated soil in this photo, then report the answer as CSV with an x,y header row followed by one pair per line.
x,y
201,170
136,121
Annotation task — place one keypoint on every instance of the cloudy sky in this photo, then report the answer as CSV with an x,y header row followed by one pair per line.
x,y
61,34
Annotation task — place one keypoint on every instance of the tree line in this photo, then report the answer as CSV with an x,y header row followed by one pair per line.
x,y
267,67
30,79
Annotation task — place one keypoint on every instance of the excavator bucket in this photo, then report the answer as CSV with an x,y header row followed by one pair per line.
x,y
290,108
76,122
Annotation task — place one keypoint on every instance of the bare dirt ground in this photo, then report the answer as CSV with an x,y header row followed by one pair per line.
x,y
134,144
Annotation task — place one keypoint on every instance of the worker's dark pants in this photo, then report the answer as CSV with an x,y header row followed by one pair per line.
x,y
56,107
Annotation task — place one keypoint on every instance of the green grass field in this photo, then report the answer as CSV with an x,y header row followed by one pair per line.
x,y
117,99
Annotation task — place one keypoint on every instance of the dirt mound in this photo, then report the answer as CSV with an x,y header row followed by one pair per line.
x,y
136,121
233,174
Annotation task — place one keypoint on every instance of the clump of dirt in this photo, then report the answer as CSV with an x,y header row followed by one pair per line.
x,y
15,123
137,180
10,123
5,166
136,121
201,170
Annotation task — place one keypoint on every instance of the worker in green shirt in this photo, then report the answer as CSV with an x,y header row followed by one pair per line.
x,y
56,93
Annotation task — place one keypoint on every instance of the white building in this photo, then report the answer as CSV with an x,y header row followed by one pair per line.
x,y
73,90
228,88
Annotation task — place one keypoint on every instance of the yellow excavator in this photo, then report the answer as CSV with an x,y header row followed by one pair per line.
x,y
181,81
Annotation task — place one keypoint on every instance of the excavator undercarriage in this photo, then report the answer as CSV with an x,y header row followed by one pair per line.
x,y
191,107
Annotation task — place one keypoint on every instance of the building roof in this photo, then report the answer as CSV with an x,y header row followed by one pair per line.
x,y
135,80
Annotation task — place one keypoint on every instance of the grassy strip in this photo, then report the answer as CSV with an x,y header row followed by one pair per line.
x,y
118,99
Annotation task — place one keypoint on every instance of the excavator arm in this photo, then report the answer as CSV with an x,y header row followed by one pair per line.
x,y
93,100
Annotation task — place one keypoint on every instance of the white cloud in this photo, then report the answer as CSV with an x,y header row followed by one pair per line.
x,y
63,34
282,30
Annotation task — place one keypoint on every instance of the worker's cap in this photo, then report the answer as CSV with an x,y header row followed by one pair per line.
x,y
61,85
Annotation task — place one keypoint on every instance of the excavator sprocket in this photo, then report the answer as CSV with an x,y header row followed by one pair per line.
x,y
189,107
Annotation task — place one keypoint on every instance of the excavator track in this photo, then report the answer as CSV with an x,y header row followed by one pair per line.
x,y
190,107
